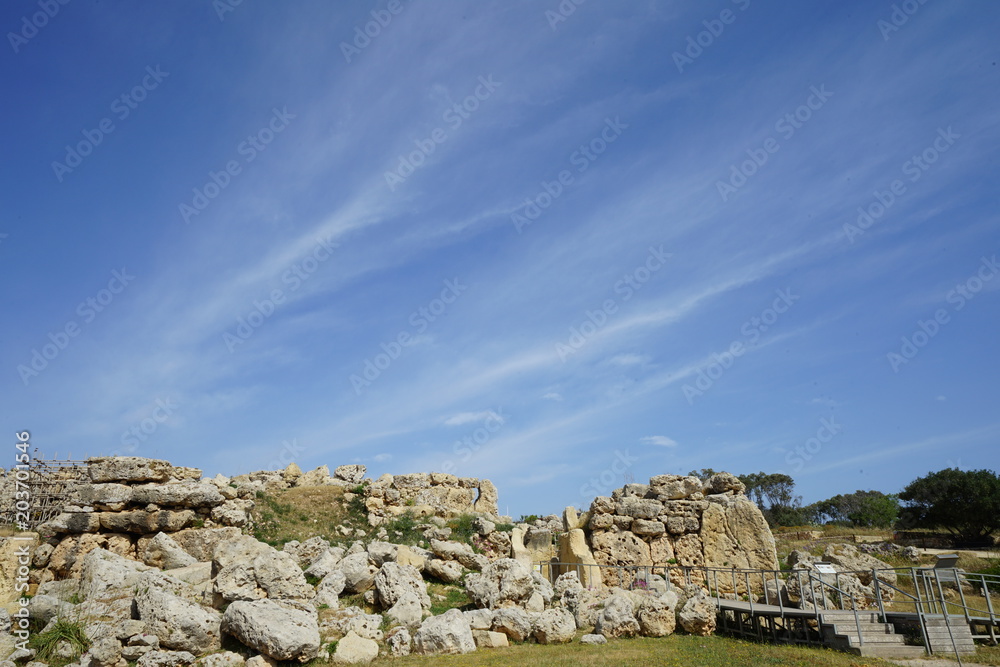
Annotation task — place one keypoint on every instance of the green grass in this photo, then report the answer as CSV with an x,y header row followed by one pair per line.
x,y
675,650
303,512
403,530
446,596
62,630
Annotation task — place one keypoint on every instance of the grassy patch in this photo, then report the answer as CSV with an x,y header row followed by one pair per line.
x,y
461,528
63,630
403,530
446,596
301,513
675,650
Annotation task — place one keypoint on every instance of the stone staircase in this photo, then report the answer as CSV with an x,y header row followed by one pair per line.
x,y
840,631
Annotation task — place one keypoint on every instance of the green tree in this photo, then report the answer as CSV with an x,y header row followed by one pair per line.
x,y
862,509
966,503
704,474
774,495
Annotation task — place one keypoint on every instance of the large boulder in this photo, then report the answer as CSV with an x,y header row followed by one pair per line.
x,y
394,580
181,494
179,624
503,582
554,626
325,563
617,619
278,574
657,615
698,614
355,650
447,633
352,474
513,622
447,571
128,469
165,553
280,630
329,589
407,610
141,521
734,533
359,573
463,553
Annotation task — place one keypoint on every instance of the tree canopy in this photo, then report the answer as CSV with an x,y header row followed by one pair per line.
x,y
863,509
963,502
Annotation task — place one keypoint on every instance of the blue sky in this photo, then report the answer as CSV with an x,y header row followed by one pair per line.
x,y
557,250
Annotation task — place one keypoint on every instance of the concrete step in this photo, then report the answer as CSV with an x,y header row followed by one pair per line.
x,y
890,651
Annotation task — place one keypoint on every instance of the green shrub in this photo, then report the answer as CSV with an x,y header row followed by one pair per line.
x,y
62,630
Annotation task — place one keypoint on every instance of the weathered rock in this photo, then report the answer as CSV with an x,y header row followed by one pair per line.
x,y
447,571
723,482
698,615
573,549
487,501
448,633
737,535
849,558
280,630
624,548
657,616
182,494
44,608
224,659
72,522
407,610
329,589
355,650
617,619
279,576
141,521
555,626
489,639
399,641
325,563
382,552
353,474
594,639
307,552
479,619
165,659
502,582
359,573
513,622
638,508
318,477
393,580
127,469
674,487
354,619
463,553
202,543
178,623
165,553
104,652
112,497
647,528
